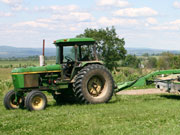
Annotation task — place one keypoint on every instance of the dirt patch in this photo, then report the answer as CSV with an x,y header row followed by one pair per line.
x,y
141,92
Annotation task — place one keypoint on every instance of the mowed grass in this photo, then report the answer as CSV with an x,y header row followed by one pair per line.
x,y
136,115
5,73
24,63
145,114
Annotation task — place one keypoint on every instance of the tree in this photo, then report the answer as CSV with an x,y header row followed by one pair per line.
x,y
146,55
131,61
165,60
176,62
151,63
110,48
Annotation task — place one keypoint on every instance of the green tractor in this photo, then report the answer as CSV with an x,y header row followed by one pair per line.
x,y
77,74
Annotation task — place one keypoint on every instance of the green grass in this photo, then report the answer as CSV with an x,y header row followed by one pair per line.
x,y
147,114
136,115
5,73
22,63
141,87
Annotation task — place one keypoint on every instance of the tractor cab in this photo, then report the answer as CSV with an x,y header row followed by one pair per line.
x,y
73,52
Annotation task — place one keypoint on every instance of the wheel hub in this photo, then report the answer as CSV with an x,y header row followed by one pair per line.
x,y
14,103
95,86
37,102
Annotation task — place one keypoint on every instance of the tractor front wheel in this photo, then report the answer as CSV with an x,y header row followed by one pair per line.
x,y
10,101
35,100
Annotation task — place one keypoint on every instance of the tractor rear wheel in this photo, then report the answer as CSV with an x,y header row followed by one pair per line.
x,y
35,100
10,101
93,84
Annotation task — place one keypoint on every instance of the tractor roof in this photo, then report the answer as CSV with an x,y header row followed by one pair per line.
x,y
75,41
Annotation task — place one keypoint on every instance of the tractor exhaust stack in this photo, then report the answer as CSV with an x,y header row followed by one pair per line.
x,y
42,57
43,46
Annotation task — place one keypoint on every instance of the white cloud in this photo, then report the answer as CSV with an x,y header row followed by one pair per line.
x,y
176,4
19,8
67,18
176,22
3,14
66,14
165,27
151,20
15,5
81,16
11,1
136,12
74,17
114,3
47,20
57,21
173,25
34,24
81,26
116,21
57,8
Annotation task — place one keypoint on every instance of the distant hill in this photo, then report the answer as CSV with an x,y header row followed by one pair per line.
x,y
9,51
141,51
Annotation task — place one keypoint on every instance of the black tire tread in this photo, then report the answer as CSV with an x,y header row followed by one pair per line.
x,y
6,99
29,96
77,85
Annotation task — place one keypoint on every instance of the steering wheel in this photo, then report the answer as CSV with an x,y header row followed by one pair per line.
x,y
68,58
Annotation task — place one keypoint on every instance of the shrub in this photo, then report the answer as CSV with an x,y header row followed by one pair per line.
x,y
5,85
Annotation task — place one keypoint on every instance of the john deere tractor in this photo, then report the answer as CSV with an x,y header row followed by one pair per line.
x,y
77,73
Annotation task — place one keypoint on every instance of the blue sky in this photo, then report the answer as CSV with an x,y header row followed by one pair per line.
x,y
142,23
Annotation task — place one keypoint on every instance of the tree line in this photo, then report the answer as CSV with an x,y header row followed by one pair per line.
x,y
163,61
110,49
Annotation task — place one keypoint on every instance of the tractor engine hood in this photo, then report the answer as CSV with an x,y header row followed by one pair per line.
x,y
36,70
29,77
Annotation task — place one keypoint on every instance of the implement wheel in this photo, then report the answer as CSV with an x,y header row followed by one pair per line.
x,y
94,84
10,101
35,100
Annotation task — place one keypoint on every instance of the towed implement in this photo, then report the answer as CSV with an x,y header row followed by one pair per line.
x,y
78,74
150,78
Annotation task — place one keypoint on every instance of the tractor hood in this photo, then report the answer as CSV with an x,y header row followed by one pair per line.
x,y
34,70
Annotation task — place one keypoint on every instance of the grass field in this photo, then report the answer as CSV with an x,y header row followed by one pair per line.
x,y
23,63
147,114
5,73
124,115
